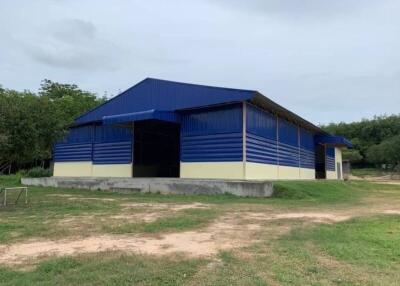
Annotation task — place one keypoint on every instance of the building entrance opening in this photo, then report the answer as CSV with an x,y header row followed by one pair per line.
x,y
320,170
156,149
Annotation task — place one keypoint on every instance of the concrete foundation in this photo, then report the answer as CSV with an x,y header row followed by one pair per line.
x,y
158,185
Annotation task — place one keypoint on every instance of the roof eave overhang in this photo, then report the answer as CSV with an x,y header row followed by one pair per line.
x,y
264,102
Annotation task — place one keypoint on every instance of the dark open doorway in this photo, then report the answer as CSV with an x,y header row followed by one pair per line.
x,y
320,170
156,149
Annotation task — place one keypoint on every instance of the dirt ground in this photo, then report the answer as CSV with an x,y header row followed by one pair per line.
x,y
237,227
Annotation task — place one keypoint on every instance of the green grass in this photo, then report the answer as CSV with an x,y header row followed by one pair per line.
x,y
373,241
105,269
373,172
363,251
184,220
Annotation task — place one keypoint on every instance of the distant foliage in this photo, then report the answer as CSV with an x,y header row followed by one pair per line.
x,y
387,152
37,172
31,123
375,141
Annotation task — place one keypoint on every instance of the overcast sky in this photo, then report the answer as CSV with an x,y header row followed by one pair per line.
x,y
326,60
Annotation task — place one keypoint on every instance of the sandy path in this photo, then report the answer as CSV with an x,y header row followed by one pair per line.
x,y
235,229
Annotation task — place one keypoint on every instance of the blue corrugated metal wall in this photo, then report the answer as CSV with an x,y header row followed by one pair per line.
x,y
261,134
100,144
295,148
112,153
70,152
307,149
330,158
288,144
212,135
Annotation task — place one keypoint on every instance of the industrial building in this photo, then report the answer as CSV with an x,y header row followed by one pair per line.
x,y
160,128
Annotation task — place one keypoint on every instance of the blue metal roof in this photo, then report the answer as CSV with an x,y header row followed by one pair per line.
x,y
141,115
333,140
164,95
152,98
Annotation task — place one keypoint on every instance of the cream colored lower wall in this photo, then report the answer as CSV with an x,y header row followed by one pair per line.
x,y
331,175
112,170
259,171
73,169
234,170
212,170
288,173
307,174
87,169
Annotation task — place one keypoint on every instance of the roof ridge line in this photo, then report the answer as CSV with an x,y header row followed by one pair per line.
x,y
202,85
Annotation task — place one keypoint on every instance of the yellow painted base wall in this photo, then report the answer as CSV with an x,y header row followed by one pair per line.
x,y
307,174
112,170
288,173
259,171
212,170
72,169
331,175
87,169
234,170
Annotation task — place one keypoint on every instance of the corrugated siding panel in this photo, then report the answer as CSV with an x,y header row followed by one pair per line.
x,y
260,122
262,146
261,150
112,134
97,133
288,133
79,134
212,148
166,96
111,145
226,119
307,159
307,149
288,146
72,152
212,135
330,159
288,155
112,153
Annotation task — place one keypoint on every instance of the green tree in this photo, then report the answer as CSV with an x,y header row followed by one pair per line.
x,y
352,155
31,123
366,133
387,152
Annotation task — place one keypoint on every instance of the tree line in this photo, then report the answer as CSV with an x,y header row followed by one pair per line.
x,y
376,141
30,123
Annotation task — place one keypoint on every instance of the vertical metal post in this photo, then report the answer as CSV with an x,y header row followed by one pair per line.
x,y
244,135
5,197
26,195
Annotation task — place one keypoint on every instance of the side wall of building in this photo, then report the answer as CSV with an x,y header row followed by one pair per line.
x,y
276,148
212,143
94,151
242,141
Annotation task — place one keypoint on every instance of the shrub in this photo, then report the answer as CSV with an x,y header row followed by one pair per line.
x,y
38,172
